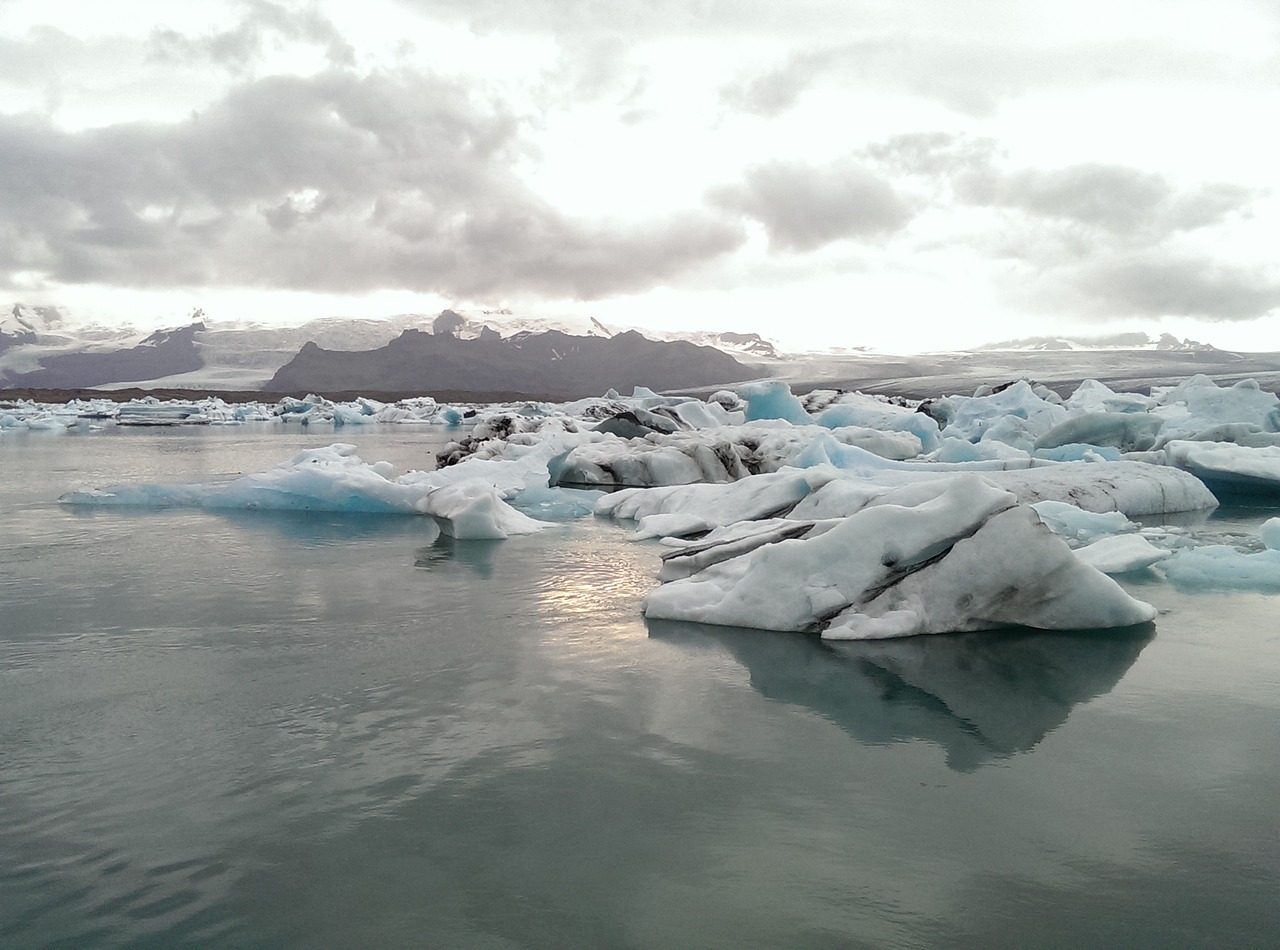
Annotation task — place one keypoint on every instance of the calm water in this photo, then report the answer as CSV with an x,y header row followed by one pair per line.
x,y
285,730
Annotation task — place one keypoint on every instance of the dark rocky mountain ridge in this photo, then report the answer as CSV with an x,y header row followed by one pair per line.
x,y
546,362
163,353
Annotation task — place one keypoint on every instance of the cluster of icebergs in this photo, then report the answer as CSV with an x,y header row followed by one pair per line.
x,y
840,513
212,410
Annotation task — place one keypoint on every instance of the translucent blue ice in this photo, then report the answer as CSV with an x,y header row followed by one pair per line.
x,y
1222,567
772,399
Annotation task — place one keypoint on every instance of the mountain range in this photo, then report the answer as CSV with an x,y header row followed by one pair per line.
x,y
480,352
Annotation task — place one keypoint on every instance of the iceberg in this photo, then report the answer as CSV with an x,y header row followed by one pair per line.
x,y
1271,534
472,509
1121,554
1094,396
1198,403
967,558
1228,465
772,399
1074,524
855,409
969,417
334,478
1223,567
751,499
1131,488
1127,431
857,516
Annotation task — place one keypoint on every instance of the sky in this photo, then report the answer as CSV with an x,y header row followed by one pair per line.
x,y
828,173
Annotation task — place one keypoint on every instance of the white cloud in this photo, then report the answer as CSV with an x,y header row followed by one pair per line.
x,y
961,166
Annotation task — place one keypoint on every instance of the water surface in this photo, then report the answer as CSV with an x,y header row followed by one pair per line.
x,y
273,729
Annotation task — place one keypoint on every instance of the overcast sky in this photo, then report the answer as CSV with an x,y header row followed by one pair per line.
x,y
901,175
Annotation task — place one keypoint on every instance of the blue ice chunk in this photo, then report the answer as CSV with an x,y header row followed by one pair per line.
x,y
826,450
772,399
556,504
1076,524
1222,567
968,417
873,415
1271,533
1080,452
332,478
961,450
1129,431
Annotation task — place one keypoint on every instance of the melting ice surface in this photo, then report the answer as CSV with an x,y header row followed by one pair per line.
x,y
841,513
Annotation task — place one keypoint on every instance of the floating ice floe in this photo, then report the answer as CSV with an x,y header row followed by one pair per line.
x,y
1122,554
1074,524
334,478
1223,567
1228,465
967,558
1211,567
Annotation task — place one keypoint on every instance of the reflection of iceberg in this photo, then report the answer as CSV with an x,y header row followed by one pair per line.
x,y
977,695
445,550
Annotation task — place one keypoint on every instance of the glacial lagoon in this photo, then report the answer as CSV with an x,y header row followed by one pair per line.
x,y
308,729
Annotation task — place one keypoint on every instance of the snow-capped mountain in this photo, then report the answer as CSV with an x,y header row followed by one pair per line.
x,y
20,324
42,347
477,324
1166,342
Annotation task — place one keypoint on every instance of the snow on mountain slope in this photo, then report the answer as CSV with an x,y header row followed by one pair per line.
x,y
20,324
1116,341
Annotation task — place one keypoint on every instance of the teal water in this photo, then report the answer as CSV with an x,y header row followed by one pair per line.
x,y
288,730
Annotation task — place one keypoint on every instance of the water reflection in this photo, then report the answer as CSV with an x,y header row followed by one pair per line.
x,y
980,696
300,526
475,555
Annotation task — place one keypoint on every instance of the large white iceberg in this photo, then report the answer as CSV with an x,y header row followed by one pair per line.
x,y
958,555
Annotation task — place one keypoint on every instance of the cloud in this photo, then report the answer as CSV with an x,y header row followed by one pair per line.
x,y
1094,201
652,19
1092,240
265,23
1124,201
336,182
804,207
974,76
1160,284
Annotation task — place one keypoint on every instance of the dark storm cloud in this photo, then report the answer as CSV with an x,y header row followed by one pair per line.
x,y
804,207
264,22
332,182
